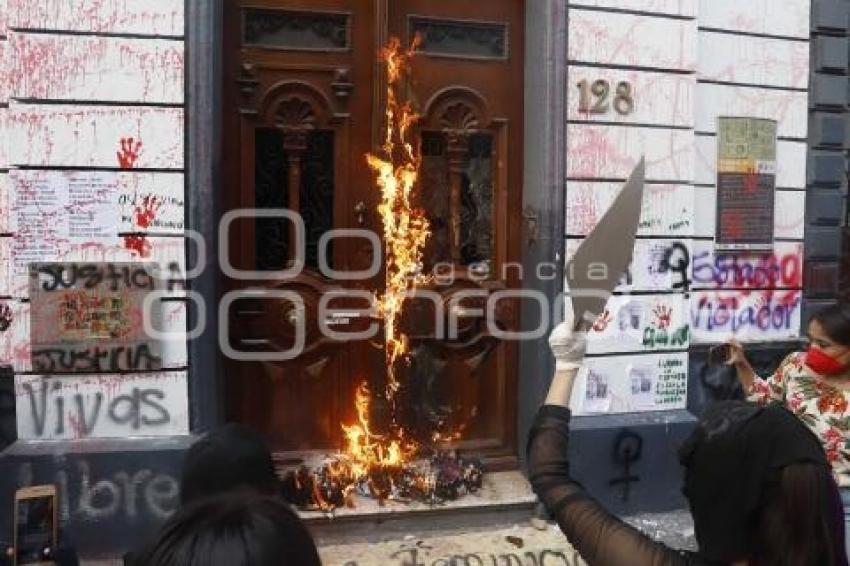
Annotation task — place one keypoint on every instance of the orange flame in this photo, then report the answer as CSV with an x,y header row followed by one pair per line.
x,y
367,450
406,229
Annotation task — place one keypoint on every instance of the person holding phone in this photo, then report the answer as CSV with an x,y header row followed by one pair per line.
x,y
757,481
813,384
37,538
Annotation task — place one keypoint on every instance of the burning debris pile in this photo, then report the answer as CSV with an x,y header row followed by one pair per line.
x,y
384,464
444,478
374,466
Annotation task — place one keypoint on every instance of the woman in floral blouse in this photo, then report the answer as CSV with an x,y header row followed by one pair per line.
x,y
814,385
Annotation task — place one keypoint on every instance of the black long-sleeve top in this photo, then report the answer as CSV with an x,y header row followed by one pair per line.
x,y
601,538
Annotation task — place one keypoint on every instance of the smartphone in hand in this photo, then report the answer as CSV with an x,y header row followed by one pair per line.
x,y
719,355
36,527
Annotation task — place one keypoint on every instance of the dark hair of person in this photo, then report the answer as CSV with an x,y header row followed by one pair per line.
x,y
230,457
760,488
797,523
234,529
835,321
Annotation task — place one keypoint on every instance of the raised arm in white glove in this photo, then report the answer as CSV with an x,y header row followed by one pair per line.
x,y
569,347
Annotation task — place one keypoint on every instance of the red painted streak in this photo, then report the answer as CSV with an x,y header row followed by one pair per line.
x,y
161,17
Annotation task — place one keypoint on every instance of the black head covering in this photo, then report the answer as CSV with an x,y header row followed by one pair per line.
x,y
228,458
737,450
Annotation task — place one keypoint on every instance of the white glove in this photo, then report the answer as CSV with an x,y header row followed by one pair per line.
x,y
568,346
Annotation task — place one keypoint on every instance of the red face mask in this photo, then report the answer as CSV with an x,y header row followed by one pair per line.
x,y
822,363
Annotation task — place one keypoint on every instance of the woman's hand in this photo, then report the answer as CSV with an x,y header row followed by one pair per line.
x,y
738,359
736,353
569,347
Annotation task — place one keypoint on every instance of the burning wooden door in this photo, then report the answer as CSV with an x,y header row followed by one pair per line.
x,y
467,80
298,122
304,105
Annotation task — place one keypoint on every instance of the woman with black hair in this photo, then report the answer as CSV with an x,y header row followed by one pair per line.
x,y
757,480
235,529
814,384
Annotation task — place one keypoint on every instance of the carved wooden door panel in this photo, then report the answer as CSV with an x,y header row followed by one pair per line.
x,y
298,120
467,82
303,105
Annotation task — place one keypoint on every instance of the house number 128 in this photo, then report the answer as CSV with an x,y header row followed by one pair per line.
x,y
594,97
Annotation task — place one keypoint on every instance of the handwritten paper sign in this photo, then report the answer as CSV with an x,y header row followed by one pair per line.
x,y
88,317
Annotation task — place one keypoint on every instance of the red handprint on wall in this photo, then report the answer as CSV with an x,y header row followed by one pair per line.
x,y
146,212
143,216
138,244
663,315
129,152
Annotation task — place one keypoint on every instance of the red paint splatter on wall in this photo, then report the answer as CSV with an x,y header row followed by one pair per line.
x,y
129,152
144,214
663,315
138,244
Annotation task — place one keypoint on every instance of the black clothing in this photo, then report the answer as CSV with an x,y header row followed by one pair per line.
x,y
734,456
738,451
601,538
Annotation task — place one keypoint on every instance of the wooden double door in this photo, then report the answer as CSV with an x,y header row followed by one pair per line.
x,y
304,99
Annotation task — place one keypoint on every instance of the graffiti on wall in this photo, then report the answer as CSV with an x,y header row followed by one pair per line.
x,y
635,323
657,265
668,210
753,316
71,407
119,492
781,268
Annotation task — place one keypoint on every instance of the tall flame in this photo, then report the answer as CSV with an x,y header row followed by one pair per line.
x,y
381,463
406,229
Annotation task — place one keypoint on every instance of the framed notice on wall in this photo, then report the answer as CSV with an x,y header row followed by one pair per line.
x,y
91,317
746,183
